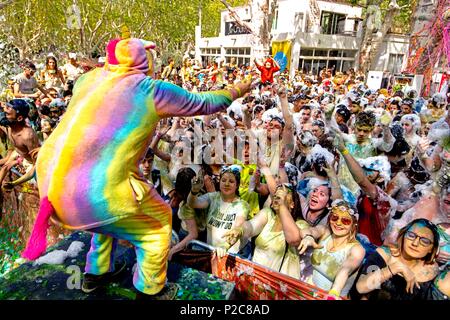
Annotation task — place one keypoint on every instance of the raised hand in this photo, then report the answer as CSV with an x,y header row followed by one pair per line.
x,y
398,267
244,86
221,252
306,243
339,142
282,92
232,236
423,146
197,182
329,169
209,184
261,161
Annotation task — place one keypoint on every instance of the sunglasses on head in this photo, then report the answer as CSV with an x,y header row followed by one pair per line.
x,y
234,170
422,240
345,221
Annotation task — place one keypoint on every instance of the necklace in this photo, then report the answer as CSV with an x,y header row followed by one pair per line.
x,y
335,247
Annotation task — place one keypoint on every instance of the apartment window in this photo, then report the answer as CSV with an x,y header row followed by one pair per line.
x,y
306,52
321,53
395,63
332,23
240,55
314,60
349,53
335,53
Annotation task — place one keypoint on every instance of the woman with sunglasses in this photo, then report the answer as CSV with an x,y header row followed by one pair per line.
x,y
337,254
225,211
406,271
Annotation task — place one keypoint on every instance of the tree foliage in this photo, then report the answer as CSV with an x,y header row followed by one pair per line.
x,y
402,21
85,26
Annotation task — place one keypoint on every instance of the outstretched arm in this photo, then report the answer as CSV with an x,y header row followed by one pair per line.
x,y
249,229
192,230
356,170
351,264
159,153
171,100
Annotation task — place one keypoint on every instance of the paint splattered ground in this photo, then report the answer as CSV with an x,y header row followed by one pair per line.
x,y
60,281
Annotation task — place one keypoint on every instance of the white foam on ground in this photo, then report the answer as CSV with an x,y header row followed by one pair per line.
x,y
58,256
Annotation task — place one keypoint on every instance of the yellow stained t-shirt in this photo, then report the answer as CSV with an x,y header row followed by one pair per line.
x,y
270,248
185,212
248,170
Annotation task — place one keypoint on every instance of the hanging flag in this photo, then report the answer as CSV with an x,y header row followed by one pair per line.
x,y
281,52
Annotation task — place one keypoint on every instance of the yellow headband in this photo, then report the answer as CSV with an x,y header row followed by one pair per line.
x,y
341,210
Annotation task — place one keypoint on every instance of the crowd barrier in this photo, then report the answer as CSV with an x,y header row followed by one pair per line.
x,y
19,210
252,280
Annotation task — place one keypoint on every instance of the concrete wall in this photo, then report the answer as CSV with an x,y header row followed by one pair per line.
x,y
286,29
392,44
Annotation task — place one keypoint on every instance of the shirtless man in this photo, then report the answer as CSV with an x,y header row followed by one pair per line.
x,y
22,137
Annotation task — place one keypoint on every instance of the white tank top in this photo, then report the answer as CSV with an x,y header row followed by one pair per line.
x,y
327,264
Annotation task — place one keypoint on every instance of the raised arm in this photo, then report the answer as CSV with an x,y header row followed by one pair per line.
x,y
154,145
290,229
356,170
249,229
193,200
387,142
171,100
276,65
350,265
265,170
336,192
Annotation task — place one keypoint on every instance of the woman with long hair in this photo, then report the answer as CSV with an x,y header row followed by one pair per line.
x,y
406,270
191,222
225,210
337,254
271,248
52,76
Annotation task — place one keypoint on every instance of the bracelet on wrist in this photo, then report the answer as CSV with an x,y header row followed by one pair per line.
x,y
334,292
345,152
309,235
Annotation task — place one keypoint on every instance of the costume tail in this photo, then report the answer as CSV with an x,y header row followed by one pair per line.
x,y
37,244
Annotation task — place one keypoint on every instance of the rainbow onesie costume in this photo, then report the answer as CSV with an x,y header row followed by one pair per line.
x,y
87,170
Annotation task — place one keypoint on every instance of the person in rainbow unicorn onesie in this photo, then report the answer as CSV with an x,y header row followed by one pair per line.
x,y
88,169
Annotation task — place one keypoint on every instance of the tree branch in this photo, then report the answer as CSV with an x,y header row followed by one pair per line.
x,y
5,3
236,18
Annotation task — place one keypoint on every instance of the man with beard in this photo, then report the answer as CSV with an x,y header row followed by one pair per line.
x,y
22,137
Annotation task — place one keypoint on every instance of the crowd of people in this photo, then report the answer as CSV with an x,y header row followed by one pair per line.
x,y
314,176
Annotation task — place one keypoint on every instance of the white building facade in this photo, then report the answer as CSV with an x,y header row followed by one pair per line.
x,y
330,42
